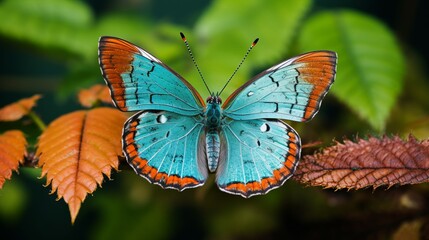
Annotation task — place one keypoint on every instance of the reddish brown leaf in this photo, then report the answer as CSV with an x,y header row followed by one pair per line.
x,y
89,97
77,149
17,110
12,152
367,163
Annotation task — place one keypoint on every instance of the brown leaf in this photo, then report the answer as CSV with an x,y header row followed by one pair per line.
x,y
17,110
367,163
77,149
12,152
89,97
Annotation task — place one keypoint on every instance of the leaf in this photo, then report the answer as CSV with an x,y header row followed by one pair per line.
x,y
77,149
410,230
97,93
17,110
227,29
12,152
370,64
50,24
14,199
124,25
367,163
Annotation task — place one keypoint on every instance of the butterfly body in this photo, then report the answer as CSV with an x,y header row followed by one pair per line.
x,y
213,118
177,138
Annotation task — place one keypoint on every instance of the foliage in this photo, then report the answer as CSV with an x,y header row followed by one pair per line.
x,y
50,24
371,63
77,148
218,33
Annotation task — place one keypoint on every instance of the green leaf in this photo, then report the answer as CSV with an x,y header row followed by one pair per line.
x,y
227,29
85,73
50,24
124,26
160,39
13,198
370,64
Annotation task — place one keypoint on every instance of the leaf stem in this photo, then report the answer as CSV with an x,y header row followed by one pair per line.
x,y
37,120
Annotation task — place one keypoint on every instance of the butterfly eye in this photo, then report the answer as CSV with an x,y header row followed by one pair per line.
x,y
161,119
265,127
219,100
209,99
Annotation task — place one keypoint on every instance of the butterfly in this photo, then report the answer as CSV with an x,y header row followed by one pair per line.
x,y
177,138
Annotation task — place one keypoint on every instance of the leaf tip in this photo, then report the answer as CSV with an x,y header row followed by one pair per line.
x,y
74,207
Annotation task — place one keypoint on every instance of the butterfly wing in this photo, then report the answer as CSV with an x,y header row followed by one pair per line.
x,y
139,81
256,156
291,90
164,148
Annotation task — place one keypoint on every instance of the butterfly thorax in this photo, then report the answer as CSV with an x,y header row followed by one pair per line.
x,y
213,112
212,123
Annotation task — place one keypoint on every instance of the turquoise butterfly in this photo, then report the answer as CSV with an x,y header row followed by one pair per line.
x,y
177,138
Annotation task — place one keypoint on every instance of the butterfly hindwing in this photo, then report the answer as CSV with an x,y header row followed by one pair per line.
x,y
256,156
139,81
165,148
291,90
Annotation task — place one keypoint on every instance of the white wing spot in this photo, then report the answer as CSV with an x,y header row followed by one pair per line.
x,y
250,93
161,119
264,127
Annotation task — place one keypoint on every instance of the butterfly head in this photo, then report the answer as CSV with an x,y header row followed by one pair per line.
x,y
214,99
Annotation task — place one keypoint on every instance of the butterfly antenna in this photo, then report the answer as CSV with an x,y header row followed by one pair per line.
x,y
193,60
239,65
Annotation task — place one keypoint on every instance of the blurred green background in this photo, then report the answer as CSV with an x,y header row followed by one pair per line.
x,y
50,47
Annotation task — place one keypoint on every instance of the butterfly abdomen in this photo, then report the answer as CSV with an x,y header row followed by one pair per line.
x,y
213,148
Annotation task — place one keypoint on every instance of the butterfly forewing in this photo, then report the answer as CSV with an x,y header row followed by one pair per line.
x,y
291,90
139,81
163,147
257,156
